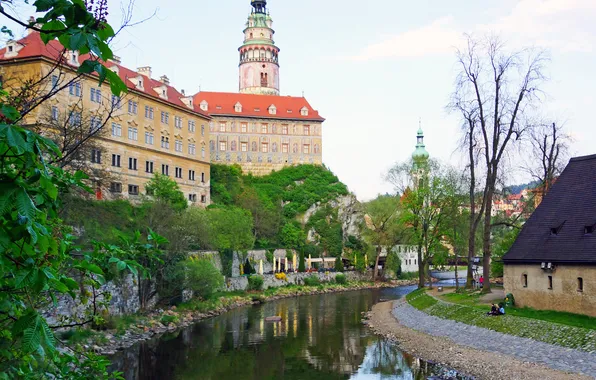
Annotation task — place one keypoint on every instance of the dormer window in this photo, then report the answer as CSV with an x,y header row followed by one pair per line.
x,y
204,106
588,230
289,111
257,110
10,48
272,110
238,107
304,111
218,107
74,57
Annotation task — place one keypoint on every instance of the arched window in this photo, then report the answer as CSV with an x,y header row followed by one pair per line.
x,y
295,148
264,80
254,146
251,35
274,148
233,146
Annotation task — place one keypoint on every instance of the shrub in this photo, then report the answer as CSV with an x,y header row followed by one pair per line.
x,y
341,279
312,280
255,282
202,277
281,276
167,319
339,265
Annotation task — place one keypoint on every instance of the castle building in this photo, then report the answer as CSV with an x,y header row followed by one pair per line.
x,y
153,128
257,128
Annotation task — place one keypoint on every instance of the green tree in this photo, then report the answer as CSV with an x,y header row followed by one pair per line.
x,y
165,189
393,263
202,277
502,244
339,265
301,262
37,258
292,236
266,219
383,229
230,228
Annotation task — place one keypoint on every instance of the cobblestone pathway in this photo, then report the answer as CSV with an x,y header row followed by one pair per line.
x,y
525,349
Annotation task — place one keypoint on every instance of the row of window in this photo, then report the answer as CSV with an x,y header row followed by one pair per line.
x,y
264,128
285,147
580,282
133,135
75,89
409,262
116,188
96,158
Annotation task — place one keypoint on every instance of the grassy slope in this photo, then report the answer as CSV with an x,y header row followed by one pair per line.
x,y
563,329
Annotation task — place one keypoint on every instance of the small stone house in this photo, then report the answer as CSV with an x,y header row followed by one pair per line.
x,y
552,264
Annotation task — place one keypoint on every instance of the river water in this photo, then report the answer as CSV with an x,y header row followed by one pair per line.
x,y
319,337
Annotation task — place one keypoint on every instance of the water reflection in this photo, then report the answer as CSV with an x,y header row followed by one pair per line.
x,y
319,337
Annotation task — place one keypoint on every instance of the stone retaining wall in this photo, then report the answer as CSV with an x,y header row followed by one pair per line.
x,y
241,283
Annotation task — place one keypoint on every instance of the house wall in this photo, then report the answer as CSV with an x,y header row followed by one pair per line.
x,y
17,73
564,295
256,161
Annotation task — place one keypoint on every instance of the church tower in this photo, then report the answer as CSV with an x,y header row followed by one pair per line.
x,y
420,160
259,65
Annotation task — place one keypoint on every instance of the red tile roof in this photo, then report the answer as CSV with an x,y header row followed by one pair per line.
x,y
223,103
34,47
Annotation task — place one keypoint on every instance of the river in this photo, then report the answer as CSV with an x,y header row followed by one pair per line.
x,y
319,337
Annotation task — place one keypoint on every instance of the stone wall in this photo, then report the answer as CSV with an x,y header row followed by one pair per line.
x,y
124,300
564,295
241,283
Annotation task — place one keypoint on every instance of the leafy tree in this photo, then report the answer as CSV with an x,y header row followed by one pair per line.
x,y
301,262
292,236
37,257
502,245
383,229
393,263
165,189
202,277
339,265
266,219
230,228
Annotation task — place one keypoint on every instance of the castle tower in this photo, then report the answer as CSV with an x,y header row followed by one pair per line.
x,y
259,65
420,159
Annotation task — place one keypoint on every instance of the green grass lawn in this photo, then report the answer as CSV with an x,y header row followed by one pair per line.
x,y
563,329
570,319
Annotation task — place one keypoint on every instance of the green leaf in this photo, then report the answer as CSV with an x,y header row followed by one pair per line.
x,y
10,112
88,66
15,139
113,260
58,286
70,283
121,265
44,5
105,31
77,41
133,270
7,191
53,26
24,204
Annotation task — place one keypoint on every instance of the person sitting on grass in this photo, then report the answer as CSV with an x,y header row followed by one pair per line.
x,y
501,309
493,310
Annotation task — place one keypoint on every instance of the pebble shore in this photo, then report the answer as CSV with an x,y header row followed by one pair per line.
x,y
436,340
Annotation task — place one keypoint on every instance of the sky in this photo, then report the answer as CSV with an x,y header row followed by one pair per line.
x,y
373,69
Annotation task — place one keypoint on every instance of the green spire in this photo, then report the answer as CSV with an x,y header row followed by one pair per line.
x,y
420,153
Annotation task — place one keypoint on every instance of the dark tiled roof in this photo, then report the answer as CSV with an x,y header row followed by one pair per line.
x,y
569,206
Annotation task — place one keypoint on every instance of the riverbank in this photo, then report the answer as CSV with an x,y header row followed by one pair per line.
x,y
468,360
123,332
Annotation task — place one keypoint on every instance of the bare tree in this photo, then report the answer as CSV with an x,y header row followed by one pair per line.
x,y
496,90
550,151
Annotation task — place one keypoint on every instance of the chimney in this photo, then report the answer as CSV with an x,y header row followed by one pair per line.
x,y
145,70
32,23
164,79
117,60
182,92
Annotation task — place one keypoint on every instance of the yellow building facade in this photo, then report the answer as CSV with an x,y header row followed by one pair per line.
x,y
151,129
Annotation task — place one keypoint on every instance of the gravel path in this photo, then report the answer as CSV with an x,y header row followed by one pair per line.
x,y
559,358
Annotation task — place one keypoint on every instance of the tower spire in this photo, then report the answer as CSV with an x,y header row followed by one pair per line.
x,y
259,62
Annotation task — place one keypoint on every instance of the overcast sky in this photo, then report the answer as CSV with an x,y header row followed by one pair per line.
x,y
372,68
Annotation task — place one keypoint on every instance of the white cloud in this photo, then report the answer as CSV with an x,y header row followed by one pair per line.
x,y
562,25
436,38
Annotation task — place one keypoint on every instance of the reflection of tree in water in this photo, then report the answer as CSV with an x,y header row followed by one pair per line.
x,y
319,337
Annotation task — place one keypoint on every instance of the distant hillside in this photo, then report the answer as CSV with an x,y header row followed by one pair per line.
x,y
516,189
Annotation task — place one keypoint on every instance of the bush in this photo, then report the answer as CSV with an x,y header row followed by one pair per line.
x,y
255,282
339,265
202,277
281,276
341,279
312,280
167,319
